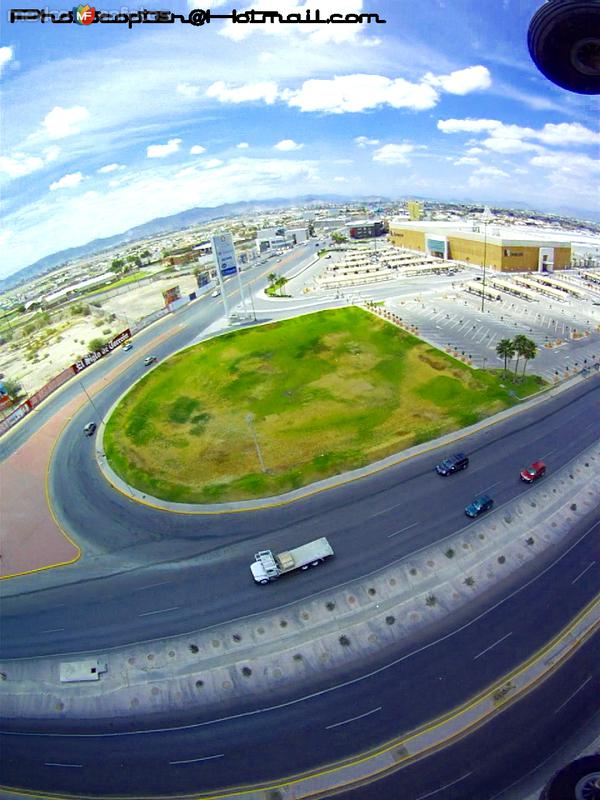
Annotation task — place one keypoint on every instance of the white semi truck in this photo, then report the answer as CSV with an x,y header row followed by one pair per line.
x,y
268,566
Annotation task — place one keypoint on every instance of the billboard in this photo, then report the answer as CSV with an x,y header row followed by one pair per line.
x,y
107,348
171,295
202,279
224,253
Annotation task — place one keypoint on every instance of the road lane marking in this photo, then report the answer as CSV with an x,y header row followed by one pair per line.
x,y
441,789
589,566
150,586
353,719
385,510
196,760
53,764
53,630
549,453
483,491
408,527
159,611
571,696
492,645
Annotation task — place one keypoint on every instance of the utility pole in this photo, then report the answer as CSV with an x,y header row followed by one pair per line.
x,y
486,218
250,420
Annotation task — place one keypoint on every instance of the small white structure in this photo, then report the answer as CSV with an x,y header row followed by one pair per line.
x,y
77,671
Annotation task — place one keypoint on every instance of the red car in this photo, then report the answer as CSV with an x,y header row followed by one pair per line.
x,y
535,471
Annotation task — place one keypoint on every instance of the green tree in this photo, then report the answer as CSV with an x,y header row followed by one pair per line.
x,y
506,350
530,352
281,283
272,278
12,388
339,238
95,344
117,264
520,344
145,254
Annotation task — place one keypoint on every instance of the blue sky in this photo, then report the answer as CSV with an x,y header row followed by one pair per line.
x,y
105,128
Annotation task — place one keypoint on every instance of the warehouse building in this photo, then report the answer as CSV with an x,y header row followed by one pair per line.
x,y
507,249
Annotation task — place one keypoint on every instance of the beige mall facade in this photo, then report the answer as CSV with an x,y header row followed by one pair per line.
x,y
502,250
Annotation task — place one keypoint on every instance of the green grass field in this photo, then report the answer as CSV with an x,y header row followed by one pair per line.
x,y
329,392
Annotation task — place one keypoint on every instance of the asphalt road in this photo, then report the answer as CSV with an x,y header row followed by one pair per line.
x,y
137,546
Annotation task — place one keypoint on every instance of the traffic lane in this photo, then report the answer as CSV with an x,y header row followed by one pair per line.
x,y
496,762
400,530
341,721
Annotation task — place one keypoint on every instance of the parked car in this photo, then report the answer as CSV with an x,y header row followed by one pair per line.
x,y
216,293
482,503
89,428
127,346
535,471
452,464
149,360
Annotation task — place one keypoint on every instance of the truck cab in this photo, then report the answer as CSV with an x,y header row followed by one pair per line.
x,y
264,568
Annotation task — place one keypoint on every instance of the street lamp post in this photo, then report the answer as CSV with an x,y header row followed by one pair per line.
x,y
89,397
486,218
250,420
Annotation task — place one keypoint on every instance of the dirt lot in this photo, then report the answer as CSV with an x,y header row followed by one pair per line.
x,y
73,335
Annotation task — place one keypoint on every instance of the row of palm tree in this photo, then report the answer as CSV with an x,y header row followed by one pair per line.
x,y
521,346
276,281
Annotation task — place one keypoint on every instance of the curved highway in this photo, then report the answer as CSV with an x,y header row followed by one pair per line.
x,y
143,560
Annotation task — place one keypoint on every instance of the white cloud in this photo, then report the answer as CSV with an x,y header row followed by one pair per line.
x,y
67,181
187,90
6,55
61,122
108,168
462,81
4,237
568,133
340,179
467,160
51,153
197,149
475,151
575,164
468,125
211,163
360,92
505,138
266,91
287,145
242,146
492,172
363,141
393,153
162,150
20,164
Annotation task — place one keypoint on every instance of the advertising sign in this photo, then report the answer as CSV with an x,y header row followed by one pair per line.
x,y
224,254
91,358
171,295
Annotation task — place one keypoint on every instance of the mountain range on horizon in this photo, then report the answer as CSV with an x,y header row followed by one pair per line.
x,y
195,216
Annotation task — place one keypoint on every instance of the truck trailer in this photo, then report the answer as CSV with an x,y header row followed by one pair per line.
x,y
268,566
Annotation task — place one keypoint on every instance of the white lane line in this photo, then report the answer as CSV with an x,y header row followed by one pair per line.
x,y
150,586
53,764
196,760
483,491
353,719
408,527
483,652
549,453
447,786
53,630
159,611
571,696
581,574
385,510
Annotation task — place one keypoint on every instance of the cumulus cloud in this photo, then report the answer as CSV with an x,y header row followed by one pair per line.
x,y
109,168
467,161
287,145
363,141
6,55
361,92
393,153
162,150
67,181
492,172
266,91
462,81
242,146
503,138
187,90
211,163
20,164
62,122
468,125
197,149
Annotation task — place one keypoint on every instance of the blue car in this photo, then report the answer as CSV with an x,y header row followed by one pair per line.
x,y
482,503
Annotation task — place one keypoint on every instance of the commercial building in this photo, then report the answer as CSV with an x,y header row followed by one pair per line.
x,y
507,249
365,229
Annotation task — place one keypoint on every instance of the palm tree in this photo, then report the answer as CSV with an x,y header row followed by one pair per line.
x,y
506,350
272,277
530,352
520,344
281,283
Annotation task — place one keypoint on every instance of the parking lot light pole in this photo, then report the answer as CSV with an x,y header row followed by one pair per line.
x,y
250,420
486,218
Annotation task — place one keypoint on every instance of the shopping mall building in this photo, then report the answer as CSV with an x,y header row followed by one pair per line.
x,y
508,249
